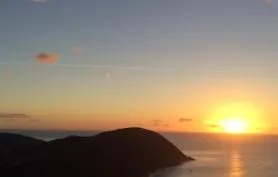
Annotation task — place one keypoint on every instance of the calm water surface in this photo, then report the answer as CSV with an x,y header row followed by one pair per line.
x,y
226,156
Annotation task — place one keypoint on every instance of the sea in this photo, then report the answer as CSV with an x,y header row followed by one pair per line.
x,y
217,155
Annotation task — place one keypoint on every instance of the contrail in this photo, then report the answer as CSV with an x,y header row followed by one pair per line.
x,y
88,66
109,67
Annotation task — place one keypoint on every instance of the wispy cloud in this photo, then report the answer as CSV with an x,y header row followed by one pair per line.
x,y
109,67
182,120
54,58
160,123
13,116
39,1
214,126
47,57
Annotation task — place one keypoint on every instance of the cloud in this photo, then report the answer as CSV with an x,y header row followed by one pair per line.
x,y
53,58
13,116
214,126
47,57
181,120
160,123
39,1
111,67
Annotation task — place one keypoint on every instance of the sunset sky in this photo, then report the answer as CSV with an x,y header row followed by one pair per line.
x,y
179,65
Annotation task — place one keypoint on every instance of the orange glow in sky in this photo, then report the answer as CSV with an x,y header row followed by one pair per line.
x,y
237,117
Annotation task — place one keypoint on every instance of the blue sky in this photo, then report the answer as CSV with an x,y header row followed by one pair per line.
x,y
136,58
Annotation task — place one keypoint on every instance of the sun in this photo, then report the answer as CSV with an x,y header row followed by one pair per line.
x,y
234,126
236,117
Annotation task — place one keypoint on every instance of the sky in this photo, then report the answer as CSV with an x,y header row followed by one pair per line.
x,y
167,65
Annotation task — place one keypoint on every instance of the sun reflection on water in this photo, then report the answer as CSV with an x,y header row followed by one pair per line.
x,y
236,165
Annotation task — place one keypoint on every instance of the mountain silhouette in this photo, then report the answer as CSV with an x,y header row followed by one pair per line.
x,y
129,152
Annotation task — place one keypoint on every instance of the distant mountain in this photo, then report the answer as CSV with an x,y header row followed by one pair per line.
x,y
129,152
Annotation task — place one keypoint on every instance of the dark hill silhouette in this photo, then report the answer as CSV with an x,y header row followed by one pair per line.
x,y
13,146
130,152
16,141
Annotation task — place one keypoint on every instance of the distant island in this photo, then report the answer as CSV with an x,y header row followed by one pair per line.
x,y
129,152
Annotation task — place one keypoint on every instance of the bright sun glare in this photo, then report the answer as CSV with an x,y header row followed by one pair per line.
x,y
235,126
236,117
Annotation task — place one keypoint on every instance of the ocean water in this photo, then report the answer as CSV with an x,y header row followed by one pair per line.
x,y
226,156
217,155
